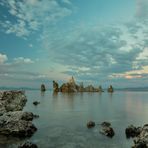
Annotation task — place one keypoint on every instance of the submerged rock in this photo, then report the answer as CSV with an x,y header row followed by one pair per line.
x,y
28,145
107,130
36,103
91,124
12,101
18,124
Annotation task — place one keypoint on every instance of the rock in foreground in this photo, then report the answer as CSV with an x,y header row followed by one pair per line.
x,y
18,124
107,130
12,101
141,141
132,131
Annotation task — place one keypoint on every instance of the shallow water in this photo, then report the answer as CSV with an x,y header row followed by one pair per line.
x,y
63,118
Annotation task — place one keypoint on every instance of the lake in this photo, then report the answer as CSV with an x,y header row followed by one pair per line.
x,y
63,118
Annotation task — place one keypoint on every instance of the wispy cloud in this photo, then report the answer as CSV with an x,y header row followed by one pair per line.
x,y
31,15
23,60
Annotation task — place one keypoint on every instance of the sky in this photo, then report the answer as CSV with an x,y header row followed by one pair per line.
x,y
99,42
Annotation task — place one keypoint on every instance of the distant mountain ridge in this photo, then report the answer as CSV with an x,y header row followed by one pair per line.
x,y
133,89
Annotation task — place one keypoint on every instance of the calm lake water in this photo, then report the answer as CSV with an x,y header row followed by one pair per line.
x,y
63,118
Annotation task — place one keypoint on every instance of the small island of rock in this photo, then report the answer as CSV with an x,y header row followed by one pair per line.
x,y
71,86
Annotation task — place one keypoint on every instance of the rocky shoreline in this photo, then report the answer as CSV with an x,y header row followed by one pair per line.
x,y
13,121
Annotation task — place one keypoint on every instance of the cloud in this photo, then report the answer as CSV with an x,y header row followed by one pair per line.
x,y
32,15
23,60
93,53
3,58
142,9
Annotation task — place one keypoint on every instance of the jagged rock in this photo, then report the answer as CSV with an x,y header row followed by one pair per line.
x,y
12,101
110,89
132,131
43,88
28,145
71,87
100,89
36,103
141,141
55,86
107,130
18,124
91,124
89,88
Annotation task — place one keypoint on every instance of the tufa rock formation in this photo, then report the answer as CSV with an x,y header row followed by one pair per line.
x,y
55,86
17,124
107,130
132,131
71,86
140,135
43,88
12,101
110,89
13,121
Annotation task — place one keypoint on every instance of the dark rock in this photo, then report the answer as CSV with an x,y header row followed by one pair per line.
x,y
107,130
110,89
140,135
71,87
17,124
132,131
43,88
55,86
36,103
66,87
100,89
12,101
28,145
28,116
140,143
91,124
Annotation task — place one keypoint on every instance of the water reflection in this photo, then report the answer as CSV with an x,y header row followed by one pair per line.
x,y
111,96
42,94
55,95
67,114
